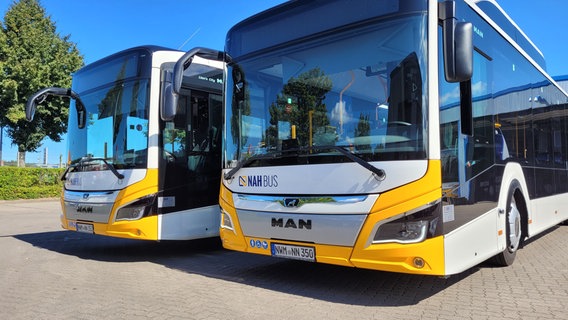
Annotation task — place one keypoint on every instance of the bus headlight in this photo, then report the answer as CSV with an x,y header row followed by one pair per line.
x,y
412,227
136,209
226,222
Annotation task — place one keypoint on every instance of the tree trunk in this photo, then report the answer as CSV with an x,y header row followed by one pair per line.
x,y
21,159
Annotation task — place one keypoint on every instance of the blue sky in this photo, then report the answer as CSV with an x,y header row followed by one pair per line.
x,y
103,27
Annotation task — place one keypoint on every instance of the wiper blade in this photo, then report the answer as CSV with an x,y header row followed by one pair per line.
x,y
109,165
241,164
89,159
64,175
378,173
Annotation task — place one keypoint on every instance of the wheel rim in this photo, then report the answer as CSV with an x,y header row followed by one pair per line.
x,y
514,217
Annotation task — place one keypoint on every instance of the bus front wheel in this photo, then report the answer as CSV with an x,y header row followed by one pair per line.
x,y
513,227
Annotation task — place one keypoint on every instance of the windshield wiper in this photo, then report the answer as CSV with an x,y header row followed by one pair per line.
x,y
378,173
89,159
247,161
64,175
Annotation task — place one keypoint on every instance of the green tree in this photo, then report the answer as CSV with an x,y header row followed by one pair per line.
x,y
33,56
363,129
302,99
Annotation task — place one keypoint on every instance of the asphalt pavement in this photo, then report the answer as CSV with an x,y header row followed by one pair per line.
x,y
50,273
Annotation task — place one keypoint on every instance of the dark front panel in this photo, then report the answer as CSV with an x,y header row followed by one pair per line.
x,y
191,156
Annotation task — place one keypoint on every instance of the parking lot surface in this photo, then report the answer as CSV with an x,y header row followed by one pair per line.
x,y
49,273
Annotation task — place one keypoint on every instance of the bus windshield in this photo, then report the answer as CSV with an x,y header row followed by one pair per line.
x,y
305,95
116,130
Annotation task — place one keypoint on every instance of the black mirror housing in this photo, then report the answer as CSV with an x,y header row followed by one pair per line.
x,y
169,103
463,48
457,44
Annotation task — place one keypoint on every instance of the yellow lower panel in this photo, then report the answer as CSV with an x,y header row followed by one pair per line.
x,y
325,254
396,257
334,255
232,241
143,229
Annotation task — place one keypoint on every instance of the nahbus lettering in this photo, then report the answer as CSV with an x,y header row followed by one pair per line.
x,y
261,180
290,223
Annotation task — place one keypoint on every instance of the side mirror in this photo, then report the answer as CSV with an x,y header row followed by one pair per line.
x,y
169,103
240,85
457,44
463,52
458,59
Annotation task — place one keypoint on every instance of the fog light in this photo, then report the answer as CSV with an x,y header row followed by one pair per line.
x,y
418,262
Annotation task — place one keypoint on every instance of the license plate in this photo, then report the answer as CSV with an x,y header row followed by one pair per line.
x,y
85,227
293,252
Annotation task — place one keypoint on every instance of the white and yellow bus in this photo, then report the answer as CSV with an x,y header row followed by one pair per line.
x,y
136,168
416,136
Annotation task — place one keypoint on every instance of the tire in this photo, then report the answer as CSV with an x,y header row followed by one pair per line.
x,y
513,228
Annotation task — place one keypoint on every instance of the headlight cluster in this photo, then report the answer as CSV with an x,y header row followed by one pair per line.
x,y
226,221
136,209
412,227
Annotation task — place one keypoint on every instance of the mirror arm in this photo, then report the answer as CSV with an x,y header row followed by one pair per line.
x,y
458,59
40,96
447,16
185,61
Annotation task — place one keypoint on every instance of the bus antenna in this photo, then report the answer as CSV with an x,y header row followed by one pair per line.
x,y
190,37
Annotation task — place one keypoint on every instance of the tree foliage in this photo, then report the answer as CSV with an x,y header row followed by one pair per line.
x,y
34,56
363,129
301,101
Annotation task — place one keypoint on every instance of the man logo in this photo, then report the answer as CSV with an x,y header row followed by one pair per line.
x,y
291,202
85,196
84,209
291,223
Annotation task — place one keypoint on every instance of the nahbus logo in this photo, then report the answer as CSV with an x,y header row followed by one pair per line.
x,y
261,180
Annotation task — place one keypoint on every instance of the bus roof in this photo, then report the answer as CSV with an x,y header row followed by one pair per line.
x,y
148,48
496,14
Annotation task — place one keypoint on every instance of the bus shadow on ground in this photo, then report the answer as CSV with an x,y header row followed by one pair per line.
x,y
207,257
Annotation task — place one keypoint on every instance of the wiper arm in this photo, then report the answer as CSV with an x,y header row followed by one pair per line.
x,y
247,161
378,173
88,159
64,175
109,165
